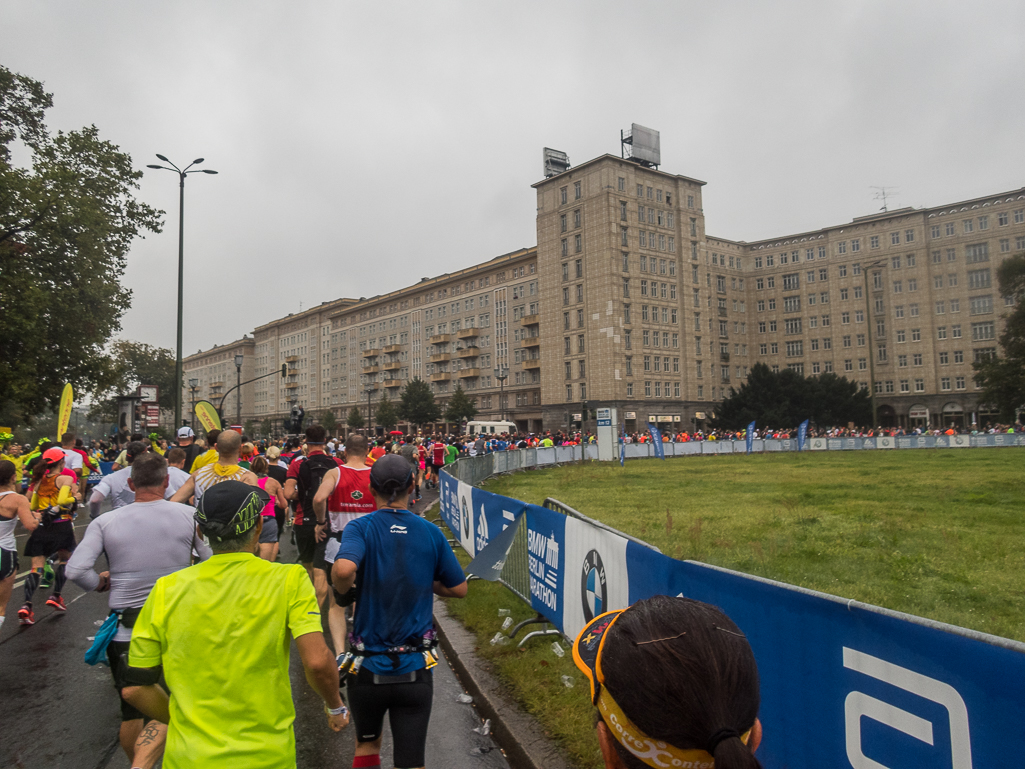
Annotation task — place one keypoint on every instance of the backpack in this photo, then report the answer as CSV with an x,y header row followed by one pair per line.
x,y
311,473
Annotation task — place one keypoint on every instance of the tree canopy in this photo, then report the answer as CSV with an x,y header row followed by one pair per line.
x,y
460,407
785,399
328,421
67,222
354,420
417,405
1003,379
131,364
386,415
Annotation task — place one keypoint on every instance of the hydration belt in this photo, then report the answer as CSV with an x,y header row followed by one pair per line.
x,y
352,661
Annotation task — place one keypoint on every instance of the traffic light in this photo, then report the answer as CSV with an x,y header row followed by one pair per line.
x,y
284,368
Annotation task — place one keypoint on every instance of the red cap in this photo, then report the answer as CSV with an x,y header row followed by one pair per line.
x,y
53,456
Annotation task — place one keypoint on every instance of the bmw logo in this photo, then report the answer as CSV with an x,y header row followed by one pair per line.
x,y
594,592
466,520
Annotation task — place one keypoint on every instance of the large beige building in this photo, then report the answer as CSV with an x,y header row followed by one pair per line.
x,y
627,302
212,375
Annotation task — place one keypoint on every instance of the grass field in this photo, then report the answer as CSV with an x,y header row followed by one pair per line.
x,y
938,534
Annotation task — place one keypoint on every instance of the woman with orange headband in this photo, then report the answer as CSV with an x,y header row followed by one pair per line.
x,y
676,685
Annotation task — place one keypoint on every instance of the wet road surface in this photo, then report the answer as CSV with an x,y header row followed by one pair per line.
x,y
59,712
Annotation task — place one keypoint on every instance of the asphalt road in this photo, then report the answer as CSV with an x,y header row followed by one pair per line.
x,y
59,712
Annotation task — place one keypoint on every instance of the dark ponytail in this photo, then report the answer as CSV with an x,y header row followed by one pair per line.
x,y
684,673
7,472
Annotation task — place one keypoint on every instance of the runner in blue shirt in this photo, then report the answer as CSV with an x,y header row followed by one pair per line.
x,y
392,563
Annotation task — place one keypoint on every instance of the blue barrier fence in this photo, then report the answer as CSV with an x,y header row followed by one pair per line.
x,y
844,684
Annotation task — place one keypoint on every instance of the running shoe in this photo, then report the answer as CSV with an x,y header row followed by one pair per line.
x,y
47,579
57,602
26,616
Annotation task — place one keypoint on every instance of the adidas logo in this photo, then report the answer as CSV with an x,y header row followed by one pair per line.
x,y
396,529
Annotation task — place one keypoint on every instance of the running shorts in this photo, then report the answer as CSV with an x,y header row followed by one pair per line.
x,y
305,542
8,563
269,534
117,656
320,552
49,539
408,706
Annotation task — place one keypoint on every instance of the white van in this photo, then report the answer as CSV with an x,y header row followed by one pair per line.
x,y
490,428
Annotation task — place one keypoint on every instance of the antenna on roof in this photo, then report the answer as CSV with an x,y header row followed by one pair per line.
x,y
882,193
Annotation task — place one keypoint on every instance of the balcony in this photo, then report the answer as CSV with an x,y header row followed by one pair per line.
x,y
722,312
530,320
391,348
217,384
441,376
291,358
370,352
531,341
469,373
724,357
531,363
467,333
392,383
371,369
392,365
440,339
468,352
291,385
292,371
442,357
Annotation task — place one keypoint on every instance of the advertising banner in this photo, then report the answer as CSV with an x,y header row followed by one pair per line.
x,y
802,434
207,415
656,440
750,437
64,412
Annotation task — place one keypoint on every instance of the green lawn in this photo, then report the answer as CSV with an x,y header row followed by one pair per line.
x,y
938,534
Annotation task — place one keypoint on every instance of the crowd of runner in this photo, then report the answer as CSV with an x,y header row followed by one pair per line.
x,y
184,538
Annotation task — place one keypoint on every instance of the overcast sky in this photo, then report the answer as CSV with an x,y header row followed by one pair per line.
x,y
362,146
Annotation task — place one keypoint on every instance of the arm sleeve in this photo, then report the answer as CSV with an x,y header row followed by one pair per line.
x,y
146,648
80,566
303,612
448,571
353,546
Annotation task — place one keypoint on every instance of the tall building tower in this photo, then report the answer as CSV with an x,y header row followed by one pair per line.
x,y
616,237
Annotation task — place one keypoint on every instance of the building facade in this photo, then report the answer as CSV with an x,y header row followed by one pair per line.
x,y
627,302
212,375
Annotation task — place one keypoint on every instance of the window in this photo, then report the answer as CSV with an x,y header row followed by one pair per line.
x,y
565,321
916,359
959,382
901,336
979,279
937,256
955,332
873,241
843,295
981,305
566,347
847,340
626,313
791,304
580,292
913,310
951,255
624,234
576,191
902,361
941,332
916,335
855,245
841,247
983,331
859,316
622,210
562,195
580,318
969,225
774,348
909,236
792,325
795,349
978,252
894,238
792,282
848,365
955,305
898,311
905,386
622,184
626,288
919,385
944,358
1019,216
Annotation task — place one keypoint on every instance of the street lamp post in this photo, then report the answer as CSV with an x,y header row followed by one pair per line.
x,y
871,352
501,374
193,386
370,413
238,389
178,376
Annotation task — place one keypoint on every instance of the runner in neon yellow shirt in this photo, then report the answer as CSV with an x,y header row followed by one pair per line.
x,y
221,632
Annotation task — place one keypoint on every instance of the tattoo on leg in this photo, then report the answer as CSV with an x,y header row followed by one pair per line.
x,y
149,735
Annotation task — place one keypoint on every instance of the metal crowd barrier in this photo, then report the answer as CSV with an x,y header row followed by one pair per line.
x,y
516,575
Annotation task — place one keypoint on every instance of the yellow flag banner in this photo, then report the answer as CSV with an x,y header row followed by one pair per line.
x,y
64,413
207,416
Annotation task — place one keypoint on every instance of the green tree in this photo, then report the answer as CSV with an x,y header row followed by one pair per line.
x,y
66,224
248,427
460,407
131,364
327,419
1003,379
417,405
386,415
355,419
785,399
266,428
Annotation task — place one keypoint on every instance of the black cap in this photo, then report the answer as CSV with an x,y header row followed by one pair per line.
x,y
390,473
230,508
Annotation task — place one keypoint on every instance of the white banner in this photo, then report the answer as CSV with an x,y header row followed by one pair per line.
x,y
885,442
595,579
465,535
